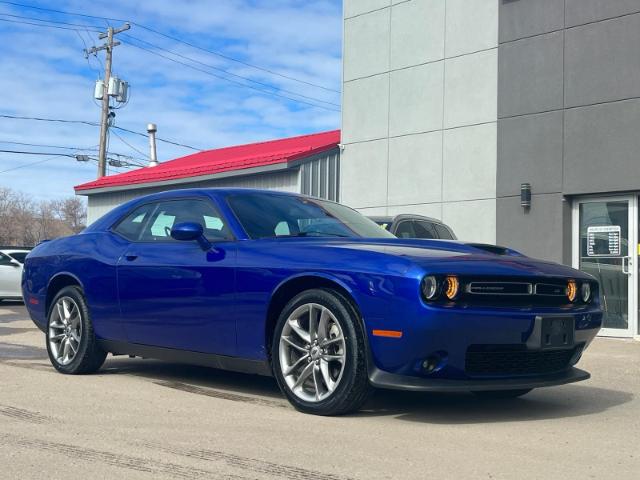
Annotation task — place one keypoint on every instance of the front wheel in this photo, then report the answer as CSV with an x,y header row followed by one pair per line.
x,y
318,354
71,343
502,394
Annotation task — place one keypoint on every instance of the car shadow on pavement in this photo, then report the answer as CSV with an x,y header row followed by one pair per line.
x,y
185,377
440,408
12,311
466,408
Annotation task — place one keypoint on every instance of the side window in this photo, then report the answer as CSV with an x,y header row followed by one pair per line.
x,y
4,259
282,228
131,226
169,213
405,230
443,232
162,223
424,230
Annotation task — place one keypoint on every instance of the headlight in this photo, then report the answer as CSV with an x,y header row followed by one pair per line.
x,y
585,292
572,290
430,287
451,287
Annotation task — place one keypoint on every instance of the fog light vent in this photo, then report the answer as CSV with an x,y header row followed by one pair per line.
x,y
434,362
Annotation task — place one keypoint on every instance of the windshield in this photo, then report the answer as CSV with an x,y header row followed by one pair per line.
x,y
265,215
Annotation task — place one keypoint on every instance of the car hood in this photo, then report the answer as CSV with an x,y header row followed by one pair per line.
x,y
445,256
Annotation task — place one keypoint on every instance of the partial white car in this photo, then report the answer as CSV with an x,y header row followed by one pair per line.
x,y
11,262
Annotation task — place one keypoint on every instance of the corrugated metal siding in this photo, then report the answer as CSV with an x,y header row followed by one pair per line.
x,y
319,177
286,181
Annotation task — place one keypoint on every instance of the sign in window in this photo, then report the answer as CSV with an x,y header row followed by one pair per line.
x,y
603,241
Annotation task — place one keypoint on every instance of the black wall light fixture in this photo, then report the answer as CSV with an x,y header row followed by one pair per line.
x,y
525,195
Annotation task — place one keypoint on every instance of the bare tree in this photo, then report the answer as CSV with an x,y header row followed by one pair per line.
x,y
74,214
25,222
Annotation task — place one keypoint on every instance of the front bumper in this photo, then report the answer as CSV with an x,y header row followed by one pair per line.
x,y
382,379
447,347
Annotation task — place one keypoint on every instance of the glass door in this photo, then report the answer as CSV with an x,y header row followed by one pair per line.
x,y
605,245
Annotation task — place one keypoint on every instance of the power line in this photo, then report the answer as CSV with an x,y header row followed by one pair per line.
x,y
84,43
228,79
53,156
38,24
22,152
222,70
29,164
49,146
50,21
35,7
94,124
175,39
158,138
129,145
232,59
76,149
43,119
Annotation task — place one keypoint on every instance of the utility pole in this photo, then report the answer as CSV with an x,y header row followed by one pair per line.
x,y
107,91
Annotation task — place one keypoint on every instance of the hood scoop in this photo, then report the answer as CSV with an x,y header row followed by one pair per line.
x,y
494,249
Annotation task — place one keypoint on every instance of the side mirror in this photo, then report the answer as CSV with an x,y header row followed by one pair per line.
x,y
190,231
15,263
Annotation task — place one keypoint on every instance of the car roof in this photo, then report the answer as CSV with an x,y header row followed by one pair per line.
x,y
109,218
404,216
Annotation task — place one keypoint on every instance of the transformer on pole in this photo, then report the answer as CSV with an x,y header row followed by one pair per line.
x,y
107,88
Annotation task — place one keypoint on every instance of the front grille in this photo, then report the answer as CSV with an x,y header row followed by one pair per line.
x,y
499,288
514,292
550,290
489,360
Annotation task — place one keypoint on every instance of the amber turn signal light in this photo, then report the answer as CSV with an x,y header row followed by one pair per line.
x,y
451,287
572,290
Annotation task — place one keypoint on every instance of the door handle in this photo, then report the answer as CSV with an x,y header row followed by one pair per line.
x,y
130,258
626,265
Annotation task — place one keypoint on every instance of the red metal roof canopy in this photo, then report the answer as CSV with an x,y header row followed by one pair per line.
x,y
211,162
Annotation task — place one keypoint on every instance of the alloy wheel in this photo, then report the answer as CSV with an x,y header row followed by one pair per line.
x,y
312,352
65,330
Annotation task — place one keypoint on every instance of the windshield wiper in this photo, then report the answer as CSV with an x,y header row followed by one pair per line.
x,y
328,234
310,234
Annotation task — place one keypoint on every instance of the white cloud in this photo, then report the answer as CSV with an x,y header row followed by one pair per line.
x,y
43,73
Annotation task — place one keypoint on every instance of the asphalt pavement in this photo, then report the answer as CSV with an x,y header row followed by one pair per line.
x,y
144,419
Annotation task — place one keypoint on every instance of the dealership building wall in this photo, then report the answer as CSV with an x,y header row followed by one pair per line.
x,y
449,105
419,122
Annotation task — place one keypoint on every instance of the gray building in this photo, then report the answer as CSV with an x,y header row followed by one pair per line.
x,y
449,106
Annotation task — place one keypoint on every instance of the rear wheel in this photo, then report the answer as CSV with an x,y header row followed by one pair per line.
x,y
500,394
318,354
71,343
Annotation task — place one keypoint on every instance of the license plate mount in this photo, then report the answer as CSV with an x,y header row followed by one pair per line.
x,y
557,332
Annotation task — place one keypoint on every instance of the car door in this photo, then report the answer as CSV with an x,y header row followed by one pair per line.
x,y
10,277
172,293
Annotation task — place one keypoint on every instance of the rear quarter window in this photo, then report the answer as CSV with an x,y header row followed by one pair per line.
x,y
443,232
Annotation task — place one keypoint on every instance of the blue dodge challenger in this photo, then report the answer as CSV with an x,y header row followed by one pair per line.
x,y
308,291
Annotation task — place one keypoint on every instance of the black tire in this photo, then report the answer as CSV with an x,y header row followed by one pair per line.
x,y
353,388
502,394
90,356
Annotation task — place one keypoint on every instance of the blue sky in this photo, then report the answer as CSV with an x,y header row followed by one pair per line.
x,y
43,73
